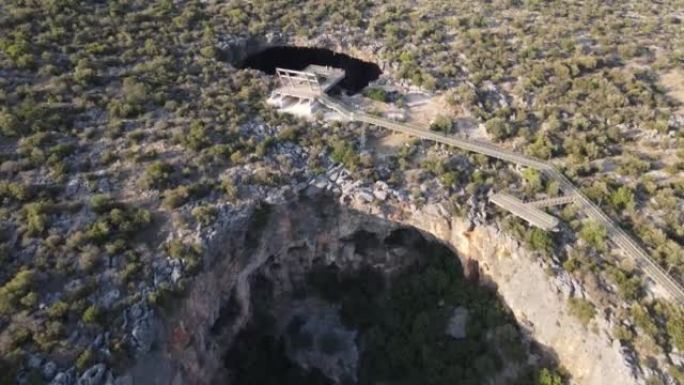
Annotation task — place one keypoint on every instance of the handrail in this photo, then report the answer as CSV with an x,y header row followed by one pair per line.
x,y
618,236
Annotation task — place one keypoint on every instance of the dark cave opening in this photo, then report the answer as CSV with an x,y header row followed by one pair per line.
x,y
358,72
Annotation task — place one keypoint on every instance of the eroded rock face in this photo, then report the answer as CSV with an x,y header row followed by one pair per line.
x,y
311,229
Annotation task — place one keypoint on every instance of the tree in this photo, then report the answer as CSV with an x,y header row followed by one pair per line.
x,y
442,123
594,234
499,128
622,198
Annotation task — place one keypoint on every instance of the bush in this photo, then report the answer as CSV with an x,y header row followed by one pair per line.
x,y
204,214
539,240
89,258
176,197
443,124
675,329
85,359
583,309
101,203
376,94
622,198
197,137
36,218
594,234
345,153
549,377
629,287
16,288
91,315
157,175
191,254
58,310
499,129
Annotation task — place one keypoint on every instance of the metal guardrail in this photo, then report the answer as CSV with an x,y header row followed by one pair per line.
x,y
615,234
548,202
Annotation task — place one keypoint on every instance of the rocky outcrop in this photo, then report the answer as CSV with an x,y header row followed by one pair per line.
x,y
307,225
535,292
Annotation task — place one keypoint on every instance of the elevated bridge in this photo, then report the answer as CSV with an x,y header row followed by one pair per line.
x,y
629,247
531,214
548,202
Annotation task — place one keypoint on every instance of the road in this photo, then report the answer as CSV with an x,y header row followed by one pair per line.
x,y
614,233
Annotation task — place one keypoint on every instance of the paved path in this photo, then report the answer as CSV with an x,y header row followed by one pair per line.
x,y
626,243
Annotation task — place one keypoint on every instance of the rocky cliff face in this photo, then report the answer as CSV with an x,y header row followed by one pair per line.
x,y
537,294
301,228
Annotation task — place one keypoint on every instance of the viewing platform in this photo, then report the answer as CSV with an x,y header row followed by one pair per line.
x,y
528,212
299,90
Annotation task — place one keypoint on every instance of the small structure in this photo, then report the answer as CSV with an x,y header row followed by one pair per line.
x,y
528,212
299,90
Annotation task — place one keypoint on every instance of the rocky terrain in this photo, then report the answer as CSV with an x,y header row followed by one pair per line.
x,y
137,163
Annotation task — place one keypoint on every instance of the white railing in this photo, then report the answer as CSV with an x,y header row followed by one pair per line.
x,y
614,232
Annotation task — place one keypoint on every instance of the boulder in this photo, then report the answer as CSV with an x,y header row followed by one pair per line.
x,y
49,370
364,195
64,378
143,335
380,194
93,375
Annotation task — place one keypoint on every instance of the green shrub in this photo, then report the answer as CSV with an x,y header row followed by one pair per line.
x,y
442,123
157,175
675,329
197,136
629,287
622,198
85,359
204,214
101,203
91,315
16,288
176,197
58,310
594,234
540,240
14,191
583,309
36,218
376,94
549,377
345,153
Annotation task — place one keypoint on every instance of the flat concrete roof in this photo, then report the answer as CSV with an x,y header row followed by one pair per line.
x,y
529,213
314,78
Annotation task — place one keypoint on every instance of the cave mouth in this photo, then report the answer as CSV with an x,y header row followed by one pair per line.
x,y
358,72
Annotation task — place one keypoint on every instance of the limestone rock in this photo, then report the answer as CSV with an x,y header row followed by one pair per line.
x,y
49,370
64,378
93,376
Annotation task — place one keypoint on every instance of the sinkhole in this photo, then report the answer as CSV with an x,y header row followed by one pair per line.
x,y
358,72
